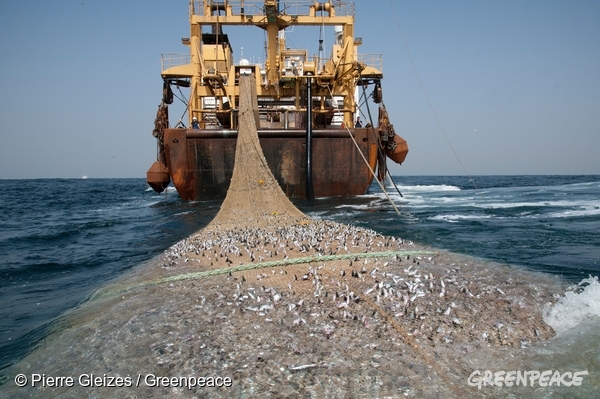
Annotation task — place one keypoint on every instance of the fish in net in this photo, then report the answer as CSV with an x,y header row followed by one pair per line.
x,y
289,306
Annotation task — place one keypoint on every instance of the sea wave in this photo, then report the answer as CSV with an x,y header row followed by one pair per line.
x,y
457,217
585,211
538,204
426,188
577,306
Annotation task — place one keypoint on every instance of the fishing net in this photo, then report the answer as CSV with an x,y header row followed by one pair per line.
x,y
258,227
333,279
254,197
291,306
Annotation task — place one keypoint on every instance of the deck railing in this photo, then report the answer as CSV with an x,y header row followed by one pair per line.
x,y
287,7
168,60
374,60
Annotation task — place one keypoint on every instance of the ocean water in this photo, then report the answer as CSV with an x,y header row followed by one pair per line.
x,y
546,223
60,239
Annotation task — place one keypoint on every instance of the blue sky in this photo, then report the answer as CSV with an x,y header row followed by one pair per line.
x,y
515,84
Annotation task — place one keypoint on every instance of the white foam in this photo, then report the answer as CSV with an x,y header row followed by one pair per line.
x,y
538,204
428,188
183,213
423,201
575,308
169,188
581,185
584,211
324,215
456,218
357,207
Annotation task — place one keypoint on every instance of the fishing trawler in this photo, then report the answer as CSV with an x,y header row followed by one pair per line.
x,y
308,105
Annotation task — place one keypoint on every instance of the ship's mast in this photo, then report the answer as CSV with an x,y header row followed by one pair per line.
x,y
196,60
272,28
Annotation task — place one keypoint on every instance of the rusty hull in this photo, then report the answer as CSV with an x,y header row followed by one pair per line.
x,y
200,162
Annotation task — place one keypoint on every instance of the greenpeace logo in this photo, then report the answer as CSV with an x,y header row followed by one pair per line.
x,y
545,378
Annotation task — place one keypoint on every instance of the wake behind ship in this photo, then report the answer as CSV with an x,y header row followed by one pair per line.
x,y
308,106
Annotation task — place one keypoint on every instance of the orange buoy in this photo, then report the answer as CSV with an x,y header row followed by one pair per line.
x,y
398,154
158,176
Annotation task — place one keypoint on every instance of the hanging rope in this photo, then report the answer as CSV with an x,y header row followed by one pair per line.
x,y
365,159
394,183
373,131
